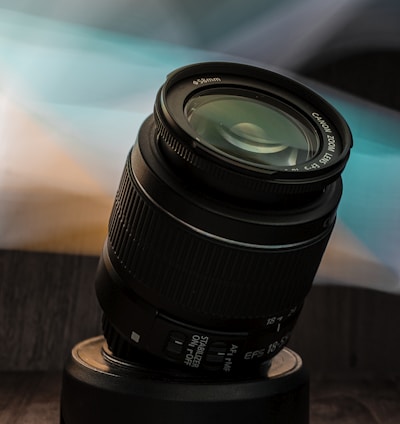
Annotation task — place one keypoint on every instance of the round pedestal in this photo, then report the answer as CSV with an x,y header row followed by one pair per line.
x,y
100,389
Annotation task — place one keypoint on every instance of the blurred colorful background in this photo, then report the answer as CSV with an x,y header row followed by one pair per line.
x,y
78,78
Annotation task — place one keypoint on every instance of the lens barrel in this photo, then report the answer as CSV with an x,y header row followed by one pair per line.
x,y
223,212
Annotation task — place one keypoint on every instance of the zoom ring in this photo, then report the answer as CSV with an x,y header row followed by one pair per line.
x,y
180,267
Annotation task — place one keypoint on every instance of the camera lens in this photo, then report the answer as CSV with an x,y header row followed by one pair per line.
x,y
260,133
224,209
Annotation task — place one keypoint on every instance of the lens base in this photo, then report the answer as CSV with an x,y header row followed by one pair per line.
x,y
99,388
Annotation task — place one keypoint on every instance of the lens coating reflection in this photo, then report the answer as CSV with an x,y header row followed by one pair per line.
x,y
250,130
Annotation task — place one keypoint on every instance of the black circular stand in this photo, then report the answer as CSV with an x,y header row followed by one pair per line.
x,y
98,389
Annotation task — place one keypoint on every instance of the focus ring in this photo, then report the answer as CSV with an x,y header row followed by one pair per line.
x,y
171,265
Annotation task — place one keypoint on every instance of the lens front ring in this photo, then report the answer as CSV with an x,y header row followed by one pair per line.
x,y
186,151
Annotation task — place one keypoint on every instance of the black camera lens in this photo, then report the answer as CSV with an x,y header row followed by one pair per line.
x,y
223,212
260,133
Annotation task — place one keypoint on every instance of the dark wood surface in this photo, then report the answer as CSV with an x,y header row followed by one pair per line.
x,y
33,398
347,337
29,398
355,402
47,304
347,332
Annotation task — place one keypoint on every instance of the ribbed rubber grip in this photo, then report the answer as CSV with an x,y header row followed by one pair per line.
x,y
157,255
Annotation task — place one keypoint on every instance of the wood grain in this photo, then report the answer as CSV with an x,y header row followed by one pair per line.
x,y
47,304
362,401
29,398
345,331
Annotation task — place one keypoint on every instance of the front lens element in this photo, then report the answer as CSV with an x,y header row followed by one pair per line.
x,y
250,130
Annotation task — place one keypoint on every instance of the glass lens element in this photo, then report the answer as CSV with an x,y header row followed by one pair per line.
x,y
250,130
